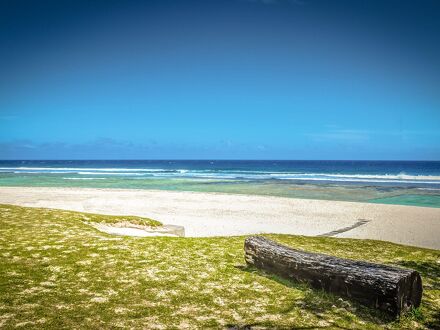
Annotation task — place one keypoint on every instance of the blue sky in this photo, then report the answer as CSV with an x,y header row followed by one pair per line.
x,y
234,79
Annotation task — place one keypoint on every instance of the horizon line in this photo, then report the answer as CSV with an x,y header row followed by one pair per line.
x,y
228,159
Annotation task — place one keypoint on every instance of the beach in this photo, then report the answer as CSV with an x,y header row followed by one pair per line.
x,y
382,182
218,214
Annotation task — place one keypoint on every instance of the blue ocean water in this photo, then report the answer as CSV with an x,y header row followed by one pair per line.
x,y
394,182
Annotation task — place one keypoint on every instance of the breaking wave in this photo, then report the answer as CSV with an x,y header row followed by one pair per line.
x,y
99,173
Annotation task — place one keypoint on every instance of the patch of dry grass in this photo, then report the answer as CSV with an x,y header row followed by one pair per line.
x,y
117,219
57,272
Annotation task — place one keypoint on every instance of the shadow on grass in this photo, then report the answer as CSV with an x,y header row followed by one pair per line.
x,y
430,272
252,326
319,303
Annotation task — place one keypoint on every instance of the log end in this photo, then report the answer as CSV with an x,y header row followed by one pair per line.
x,y
410,292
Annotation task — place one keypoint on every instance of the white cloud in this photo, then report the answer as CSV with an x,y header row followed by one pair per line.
x,y
342,135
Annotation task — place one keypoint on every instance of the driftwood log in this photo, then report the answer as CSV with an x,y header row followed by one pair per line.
x,y
390,289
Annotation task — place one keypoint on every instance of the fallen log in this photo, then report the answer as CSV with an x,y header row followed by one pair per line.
x,y
390,289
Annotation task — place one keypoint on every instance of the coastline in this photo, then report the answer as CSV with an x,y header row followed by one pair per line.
x,y
415,183
219,214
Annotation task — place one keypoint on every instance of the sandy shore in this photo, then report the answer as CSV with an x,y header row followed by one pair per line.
x,y
213,214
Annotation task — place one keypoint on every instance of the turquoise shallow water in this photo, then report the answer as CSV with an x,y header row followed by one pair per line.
x,y
409,199
403,183
356,193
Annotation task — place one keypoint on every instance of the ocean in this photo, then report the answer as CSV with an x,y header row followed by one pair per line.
x,y
389,182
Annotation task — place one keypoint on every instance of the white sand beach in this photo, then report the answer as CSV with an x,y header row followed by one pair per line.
x,y
215,214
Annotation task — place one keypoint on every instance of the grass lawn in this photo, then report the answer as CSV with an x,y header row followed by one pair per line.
x,y
58,272
114,219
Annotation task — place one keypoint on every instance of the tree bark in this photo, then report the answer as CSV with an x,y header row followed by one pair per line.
x,y
390,289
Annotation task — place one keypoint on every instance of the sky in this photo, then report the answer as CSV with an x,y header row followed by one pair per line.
x,y
229,79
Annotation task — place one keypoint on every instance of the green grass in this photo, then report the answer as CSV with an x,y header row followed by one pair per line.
x,y
114,219
58,272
